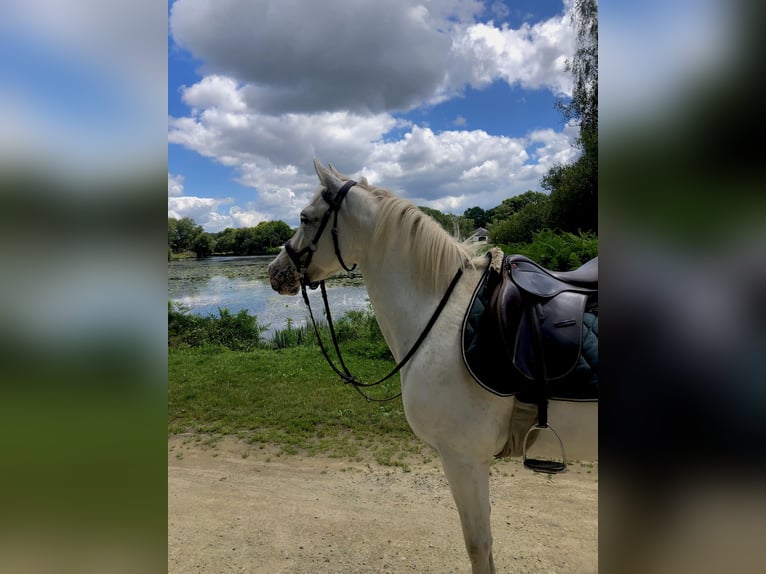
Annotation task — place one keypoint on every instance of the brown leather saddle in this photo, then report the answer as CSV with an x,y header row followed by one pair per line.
x,y
532,333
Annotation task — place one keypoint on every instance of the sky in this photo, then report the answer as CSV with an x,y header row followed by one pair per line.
x,y
449,103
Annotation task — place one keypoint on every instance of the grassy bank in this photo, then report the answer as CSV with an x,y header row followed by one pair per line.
x,y
225,378
285,397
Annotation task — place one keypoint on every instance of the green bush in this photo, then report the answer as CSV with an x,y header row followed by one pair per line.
x,y
560,251
521,226
358,331
240,332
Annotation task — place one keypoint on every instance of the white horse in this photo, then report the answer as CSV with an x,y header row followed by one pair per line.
x,y
408,261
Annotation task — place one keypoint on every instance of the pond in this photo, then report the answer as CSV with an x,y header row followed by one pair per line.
x,y
202,286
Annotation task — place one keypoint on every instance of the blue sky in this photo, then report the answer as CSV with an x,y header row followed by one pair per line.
x,y
449,103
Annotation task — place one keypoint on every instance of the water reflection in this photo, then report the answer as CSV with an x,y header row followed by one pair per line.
x,y
235,283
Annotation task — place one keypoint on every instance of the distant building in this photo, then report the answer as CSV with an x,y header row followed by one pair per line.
x,y
479,234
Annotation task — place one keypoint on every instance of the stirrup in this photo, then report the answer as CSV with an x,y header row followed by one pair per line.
x,y
540,465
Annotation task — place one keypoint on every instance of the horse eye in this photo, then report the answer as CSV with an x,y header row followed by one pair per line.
x,y
305,220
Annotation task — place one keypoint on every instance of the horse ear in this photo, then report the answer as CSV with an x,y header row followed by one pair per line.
x,y
335,172
326,177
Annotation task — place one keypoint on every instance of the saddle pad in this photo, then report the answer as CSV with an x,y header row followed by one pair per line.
x,y
486,359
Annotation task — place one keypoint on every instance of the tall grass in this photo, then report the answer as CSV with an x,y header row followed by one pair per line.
x,y
291,336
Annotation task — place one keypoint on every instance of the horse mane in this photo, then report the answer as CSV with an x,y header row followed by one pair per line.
x,y
416,236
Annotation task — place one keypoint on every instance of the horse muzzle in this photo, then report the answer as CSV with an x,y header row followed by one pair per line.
x,y
284,277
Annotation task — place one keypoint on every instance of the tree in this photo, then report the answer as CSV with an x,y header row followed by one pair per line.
x,y
583,106
225,241
203,245
270,235
456,225
172,227
478,215
515,204
265,238
181,233
574,187
521,226
574,195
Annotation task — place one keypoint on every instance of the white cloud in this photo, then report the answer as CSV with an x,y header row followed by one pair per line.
x,y
499,9
534,56
365,56
341,74
214,91
360,55
246,217
175,185
552,147
198,208
205,211
218,128
455,169
460,169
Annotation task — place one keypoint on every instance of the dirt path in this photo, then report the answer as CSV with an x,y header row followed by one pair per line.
x,y
234,508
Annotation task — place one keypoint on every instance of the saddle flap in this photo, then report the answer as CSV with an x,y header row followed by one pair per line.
x,y
561,330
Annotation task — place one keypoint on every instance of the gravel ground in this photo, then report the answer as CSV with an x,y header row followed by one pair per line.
x,y
235,508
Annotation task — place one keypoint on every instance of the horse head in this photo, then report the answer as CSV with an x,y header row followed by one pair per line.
x,y
315,252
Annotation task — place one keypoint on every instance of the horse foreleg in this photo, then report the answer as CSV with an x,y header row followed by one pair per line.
x,y
469,482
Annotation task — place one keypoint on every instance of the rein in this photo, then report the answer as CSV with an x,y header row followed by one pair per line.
x,y
302,266
345,374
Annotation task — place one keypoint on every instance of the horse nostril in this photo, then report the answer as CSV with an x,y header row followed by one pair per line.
x,y
284,279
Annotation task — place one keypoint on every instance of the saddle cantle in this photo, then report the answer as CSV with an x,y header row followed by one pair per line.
x,y
532,333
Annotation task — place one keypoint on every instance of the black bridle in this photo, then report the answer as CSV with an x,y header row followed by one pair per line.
x,y
308,251
302,266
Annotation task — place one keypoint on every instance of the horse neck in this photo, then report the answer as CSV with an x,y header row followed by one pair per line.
x,y
399,303
402,301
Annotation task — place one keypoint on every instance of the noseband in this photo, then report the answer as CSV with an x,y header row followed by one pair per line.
x,y
297,257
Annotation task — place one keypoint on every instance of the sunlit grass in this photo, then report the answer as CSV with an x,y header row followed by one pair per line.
x,y
288,398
